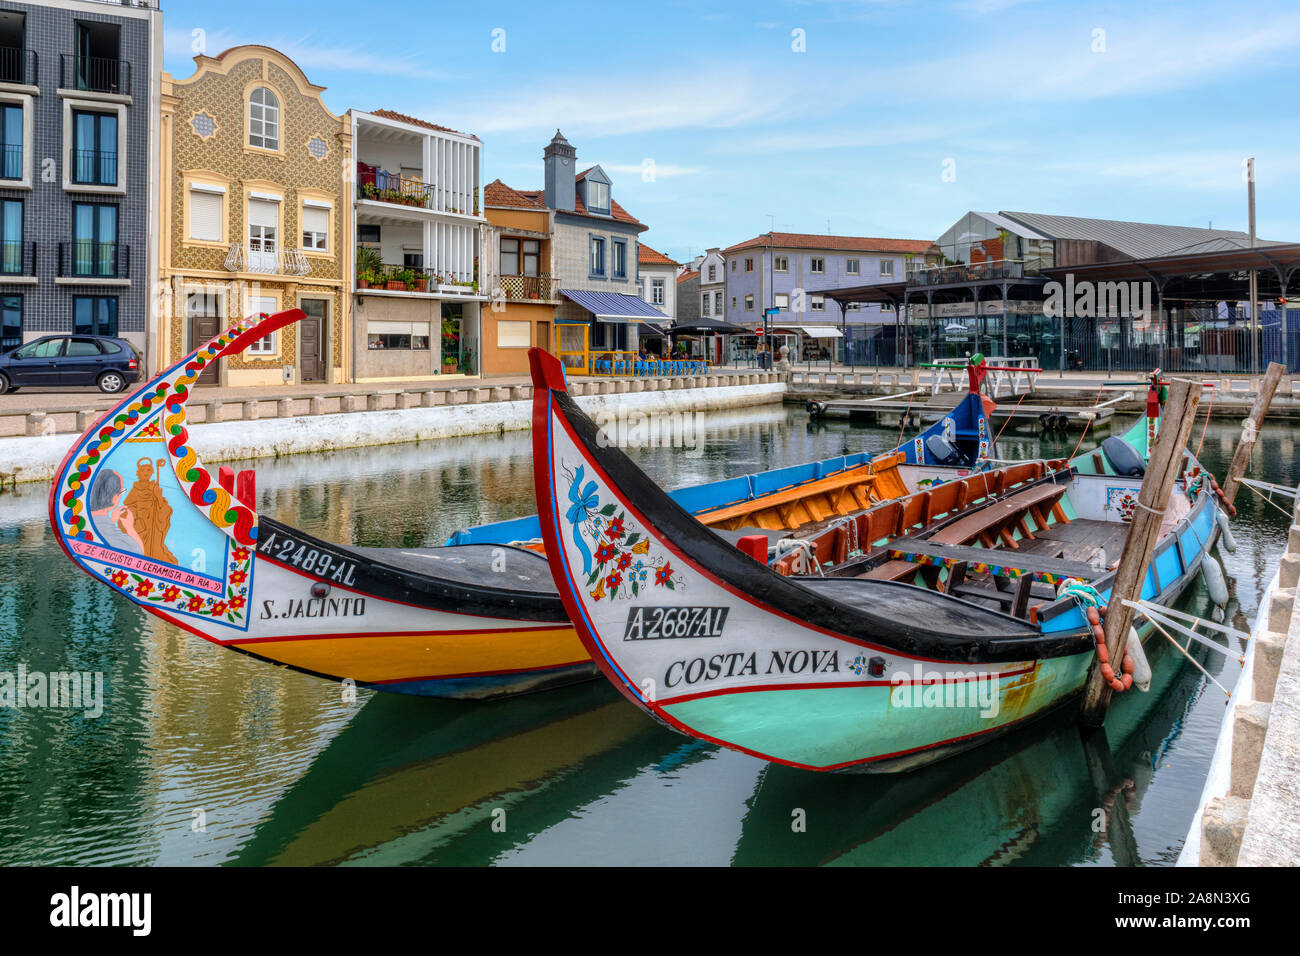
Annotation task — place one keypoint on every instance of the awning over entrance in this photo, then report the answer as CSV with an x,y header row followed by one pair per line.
x,y
813,331
613,306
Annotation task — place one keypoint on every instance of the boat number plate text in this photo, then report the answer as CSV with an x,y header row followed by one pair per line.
x,y
311,559
666,623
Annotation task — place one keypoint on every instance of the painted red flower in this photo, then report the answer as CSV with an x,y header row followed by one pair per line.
x,y
143,588
236,603
171,593
605,552
614,529
238,577
119,578
239,554
194,604
624,560
219,609
614,580
662,574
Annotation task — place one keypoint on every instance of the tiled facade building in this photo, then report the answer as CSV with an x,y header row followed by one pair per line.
x,y
657,275
253,218
78,101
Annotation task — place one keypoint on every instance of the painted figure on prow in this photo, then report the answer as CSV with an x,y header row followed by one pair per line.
x,y
151,514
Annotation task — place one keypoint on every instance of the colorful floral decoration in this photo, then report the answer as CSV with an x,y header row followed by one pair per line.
x,y
1122,500
616,558
172,597
859,665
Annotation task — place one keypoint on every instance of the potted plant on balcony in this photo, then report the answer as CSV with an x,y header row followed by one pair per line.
x,y
368,265
467,362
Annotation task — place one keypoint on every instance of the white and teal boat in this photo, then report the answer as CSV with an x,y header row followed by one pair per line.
x,y
934,623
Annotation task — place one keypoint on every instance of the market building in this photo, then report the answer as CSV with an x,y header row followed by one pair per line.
x,y
79,99
253,218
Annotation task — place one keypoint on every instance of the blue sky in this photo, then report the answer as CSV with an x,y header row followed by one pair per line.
x,y
1023,103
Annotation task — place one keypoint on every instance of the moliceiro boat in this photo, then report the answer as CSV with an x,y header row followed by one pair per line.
x,y
134,507
962,614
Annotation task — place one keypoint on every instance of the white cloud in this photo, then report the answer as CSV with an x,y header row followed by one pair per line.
x,y
305,51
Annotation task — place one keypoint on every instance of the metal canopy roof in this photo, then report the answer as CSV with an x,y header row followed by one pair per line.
x,y
613,306
1135,239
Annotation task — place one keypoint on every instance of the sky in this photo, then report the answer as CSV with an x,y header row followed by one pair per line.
x,y
717,121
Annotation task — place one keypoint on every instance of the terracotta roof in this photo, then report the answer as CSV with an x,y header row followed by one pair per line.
x,y
649,257
616,211
497,193
403,118
801,240
688,274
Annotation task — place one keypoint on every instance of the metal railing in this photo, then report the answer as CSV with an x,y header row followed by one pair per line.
x,y
17,258
974,271
393,278
96,74
379,185
515,288
290,262
18,66
96,167
11,161
89,259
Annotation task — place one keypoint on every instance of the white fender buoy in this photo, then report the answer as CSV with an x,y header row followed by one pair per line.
x,y
1215,582
1225,532
1141,666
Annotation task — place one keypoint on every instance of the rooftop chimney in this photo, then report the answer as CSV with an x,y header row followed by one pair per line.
x,y
559,159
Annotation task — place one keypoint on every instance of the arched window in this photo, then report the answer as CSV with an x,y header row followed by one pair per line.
x,y
263,119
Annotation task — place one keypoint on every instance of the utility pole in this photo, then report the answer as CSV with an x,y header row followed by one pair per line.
x,y
1254,289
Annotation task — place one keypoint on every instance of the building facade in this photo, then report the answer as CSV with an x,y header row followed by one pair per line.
x,y
79,95
688,295
712,297
415,258
522,287
253,217
657,275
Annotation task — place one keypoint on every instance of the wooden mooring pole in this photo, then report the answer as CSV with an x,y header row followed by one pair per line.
x,y
1163,467
1250,431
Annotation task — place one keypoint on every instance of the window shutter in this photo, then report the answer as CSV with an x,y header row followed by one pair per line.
x,y
263,213
315,220
205,215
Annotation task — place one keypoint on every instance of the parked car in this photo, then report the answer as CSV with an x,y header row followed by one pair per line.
x,y
70,360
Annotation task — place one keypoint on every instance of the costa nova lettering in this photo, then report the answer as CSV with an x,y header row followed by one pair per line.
x,y
740,664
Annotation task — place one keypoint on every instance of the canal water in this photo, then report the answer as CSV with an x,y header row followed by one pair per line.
x,y
205,756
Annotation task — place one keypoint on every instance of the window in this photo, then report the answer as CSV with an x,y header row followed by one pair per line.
x,y
713,273
315,226
620,259
886,307
510,257
817,303
11,141
412,260
781,301
749,303
263,119
749,265
733,265
263,231
11,220
717,303
597,256
94,240
853,307
258,305
513,334
657,292
704,304
94,315
11,322
413,336
816,264
207,212
597,196
49,348
80,348
886,267
94,148
733,301
781,263
853,267
367,234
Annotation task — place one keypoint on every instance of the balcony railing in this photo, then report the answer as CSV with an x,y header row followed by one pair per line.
x,y
974,271
516,288
18,66
89,259
379,185
97,74
11,161
392,278
94,167
17,259
287,262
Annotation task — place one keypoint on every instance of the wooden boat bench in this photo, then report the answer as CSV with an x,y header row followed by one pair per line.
x,y
998,520
842,494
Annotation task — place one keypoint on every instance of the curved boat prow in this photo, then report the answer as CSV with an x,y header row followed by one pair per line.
x,y
133,506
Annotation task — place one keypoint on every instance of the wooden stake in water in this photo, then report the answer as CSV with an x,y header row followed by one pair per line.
x,y
1163,467
1250,431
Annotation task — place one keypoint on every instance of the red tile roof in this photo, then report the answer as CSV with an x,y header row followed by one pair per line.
x,y
497,193
649,257
688,274
801,240
403,118
616,211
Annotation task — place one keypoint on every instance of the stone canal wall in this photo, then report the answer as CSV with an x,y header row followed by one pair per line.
x,y
1250,810
384,418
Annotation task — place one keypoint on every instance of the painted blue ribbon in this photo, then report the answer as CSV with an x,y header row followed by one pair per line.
x,y
583,502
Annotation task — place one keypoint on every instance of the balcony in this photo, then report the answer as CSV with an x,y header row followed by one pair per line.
x,y
17,259
376,184
94,167
392,278
18,66
247,257
91,260
972,272
95,74
11,161
526,288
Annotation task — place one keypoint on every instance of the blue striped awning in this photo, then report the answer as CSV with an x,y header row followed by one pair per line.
x,y
613,306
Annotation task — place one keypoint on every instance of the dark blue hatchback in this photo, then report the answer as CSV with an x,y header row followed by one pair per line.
x,y
70,360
